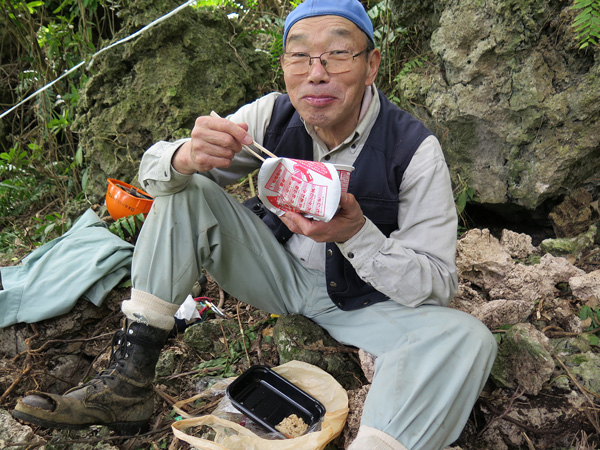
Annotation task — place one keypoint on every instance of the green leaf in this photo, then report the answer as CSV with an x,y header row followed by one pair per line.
x,y
32,5
84,179
118,229
461,201
585,312
127,226
79,156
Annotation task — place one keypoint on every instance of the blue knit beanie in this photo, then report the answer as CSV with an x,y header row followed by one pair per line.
x,y
349,9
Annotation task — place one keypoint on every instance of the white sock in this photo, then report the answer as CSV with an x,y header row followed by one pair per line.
x,y
369,438
149,310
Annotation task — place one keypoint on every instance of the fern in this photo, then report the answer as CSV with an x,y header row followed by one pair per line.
x,y
127,227
587,22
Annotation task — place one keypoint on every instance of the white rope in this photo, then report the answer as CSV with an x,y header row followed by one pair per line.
x,y
73,69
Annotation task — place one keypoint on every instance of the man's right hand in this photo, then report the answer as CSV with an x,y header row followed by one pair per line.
x,y
214,143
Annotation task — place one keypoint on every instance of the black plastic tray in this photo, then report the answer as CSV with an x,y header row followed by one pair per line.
x,y
268,398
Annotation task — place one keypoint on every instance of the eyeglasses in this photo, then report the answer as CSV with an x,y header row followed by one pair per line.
x,y
334,61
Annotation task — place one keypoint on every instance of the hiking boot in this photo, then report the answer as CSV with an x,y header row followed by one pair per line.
x,y
120,397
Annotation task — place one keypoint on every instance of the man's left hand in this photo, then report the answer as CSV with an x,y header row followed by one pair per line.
x,y
345,224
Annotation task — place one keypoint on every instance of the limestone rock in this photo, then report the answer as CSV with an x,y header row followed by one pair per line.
x,y
496,313
524,359
518,245
571,345
356,401
532,283
563,313
467,298
481,259
12,431
367,364
587,288
516,102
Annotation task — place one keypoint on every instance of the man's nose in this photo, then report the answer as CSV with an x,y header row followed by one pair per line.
x,y
317,70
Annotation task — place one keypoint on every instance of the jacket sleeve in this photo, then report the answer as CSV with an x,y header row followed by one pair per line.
x,y
416,264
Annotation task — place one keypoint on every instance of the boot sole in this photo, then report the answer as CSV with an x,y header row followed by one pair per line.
x,y
121,428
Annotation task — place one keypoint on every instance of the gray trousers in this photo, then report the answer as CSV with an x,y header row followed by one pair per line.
x,y
432,362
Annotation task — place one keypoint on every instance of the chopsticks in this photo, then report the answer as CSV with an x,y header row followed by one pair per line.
x,y
252,147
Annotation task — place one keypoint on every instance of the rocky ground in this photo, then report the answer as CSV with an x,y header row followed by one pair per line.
x,y
541,301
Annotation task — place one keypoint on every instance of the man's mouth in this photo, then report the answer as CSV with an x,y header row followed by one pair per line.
x,y
319,100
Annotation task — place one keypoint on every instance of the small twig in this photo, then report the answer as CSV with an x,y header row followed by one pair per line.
x,y
68,341
174,445
225,341
258,344
98,355
531,429
529,443
561,333
237,309
221,298
539,309
204,371
27,367
166,397
590,254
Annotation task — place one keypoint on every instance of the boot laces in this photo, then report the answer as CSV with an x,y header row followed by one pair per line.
x,y
118,352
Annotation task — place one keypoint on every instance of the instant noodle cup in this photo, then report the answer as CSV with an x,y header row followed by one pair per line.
x,y
307,187
344,172
123,200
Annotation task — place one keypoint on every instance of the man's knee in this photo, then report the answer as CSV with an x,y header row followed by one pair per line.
x,y
479,337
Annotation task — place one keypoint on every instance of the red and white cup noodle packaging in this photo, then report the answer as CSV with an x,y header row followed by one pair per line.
x,y
344,172
307,187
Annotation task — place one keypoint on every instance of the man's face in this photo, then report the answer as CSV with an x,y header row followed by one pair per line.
x,y
330,102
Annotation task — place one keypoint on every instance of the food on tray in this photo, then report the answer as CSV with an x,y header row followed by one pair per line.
x,y
292,426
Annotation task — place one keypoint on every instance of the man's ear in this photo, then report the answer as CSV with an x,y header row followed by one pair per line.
x,y
373,62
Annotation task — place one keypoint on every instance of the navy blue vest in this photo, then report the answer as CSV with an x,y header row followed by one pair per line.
x,y
375,183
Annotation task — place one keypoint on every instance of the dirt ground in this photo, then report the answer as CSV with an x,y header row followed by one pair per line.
x,y
57,354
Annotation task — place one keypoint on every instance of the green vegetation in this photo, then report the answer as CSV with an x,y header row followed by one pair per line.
x,y
43,172
463,193
591,317
587,22
127,228
41,168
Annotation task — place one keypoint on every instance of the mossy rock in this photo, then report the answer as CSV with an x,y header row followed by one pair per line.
x,y
165,364
298,338
586,368
523,359
574,246
154,87
207,336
